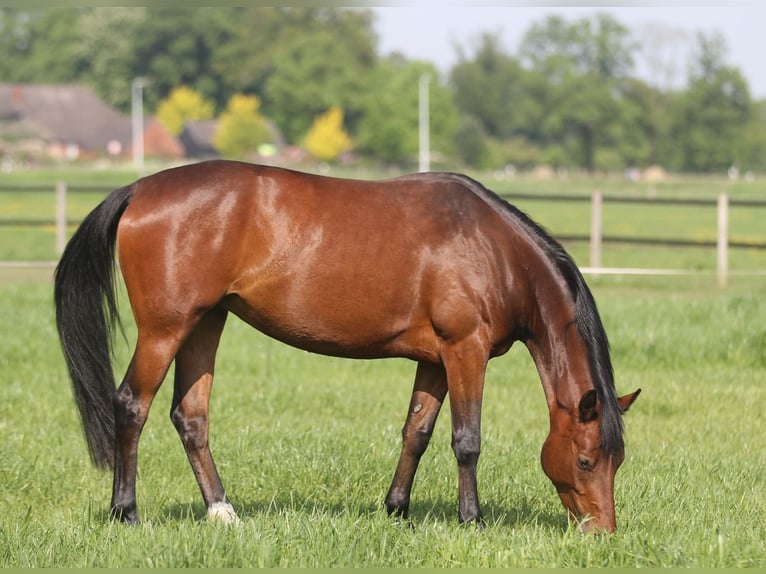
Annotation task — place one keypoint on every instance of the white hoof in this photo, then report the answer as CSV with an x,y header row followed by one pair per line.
x,y
222,512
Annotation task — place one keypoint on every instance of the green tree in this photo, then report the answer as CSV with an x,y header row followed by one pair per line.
x,y
39,44
581,115
638,126
501,101
105,50
246,61
472,142
597,45
587,64
241,128
323,58
176,46
388,128
494,88
327,139
715,110
183,104
754,139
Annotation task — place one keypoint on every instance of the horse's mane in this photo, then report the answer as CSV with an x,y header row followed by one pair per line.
x,y
587,318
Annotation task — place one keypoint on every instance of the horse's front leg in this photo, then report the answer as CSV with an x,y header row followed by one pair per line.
x,y
427,397
466,364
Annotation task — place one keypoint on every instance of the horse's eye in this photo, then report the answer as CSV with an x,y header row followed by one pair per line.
x,y
584,463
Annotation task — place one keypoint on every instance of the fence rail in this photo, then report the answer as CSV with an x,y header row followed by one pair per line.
x,y
596,237
722,244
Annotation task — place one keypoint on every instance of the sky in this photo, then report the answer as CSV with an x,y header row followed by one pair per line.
x,y
427,31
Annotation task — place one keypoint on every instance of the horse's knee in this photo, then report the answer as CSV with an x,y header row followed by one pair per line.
x,y
466,444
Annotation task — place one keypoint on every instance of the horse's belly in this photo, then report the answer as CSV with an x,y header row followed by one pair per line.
x,y
338,326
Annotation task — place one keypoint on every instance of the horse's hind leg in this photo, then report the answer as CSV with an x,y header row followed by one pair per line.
x,y
195,363
132,401
427,396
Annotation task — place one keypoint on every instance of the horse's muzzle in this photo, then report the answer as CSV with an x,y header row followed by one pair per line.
x,y
590,517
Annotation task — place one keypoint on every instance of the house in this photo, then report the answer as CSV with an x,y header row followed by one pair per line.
x,y
197,138
71,122
159,142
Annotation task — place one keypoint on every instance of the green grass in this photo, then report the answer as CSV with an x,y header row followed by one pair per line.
x,y
307,445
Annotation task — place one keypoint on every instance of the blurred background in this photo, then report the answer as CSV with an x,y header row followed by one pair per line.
x,y
630,90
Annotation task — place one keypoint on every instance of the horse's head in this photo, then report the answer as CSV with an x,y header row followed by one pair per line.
x,y
575,461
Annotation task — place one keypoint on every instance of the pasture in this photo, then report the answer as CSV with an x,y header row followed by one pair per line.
x,y
307,445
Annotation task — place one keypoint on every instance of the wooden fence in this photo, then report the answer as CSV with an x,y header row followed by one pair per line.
x,y
596,237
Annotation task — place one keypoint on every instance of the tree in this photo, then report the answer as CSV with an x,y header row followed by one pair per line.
x,y
753,156
176,46
323,58
327,139
472,142
491,88
638,129
241,128
183,104
715,111
587,64
502,104
388,127
39,44
597,45
246,61
580,118
105,50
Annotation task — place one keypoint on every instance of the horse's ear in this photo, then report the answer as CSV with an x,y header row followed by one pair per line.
x,y
587,406
627,400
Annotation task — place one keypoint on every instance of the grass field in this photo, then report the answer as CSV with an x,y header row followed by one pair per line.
x,y
306,446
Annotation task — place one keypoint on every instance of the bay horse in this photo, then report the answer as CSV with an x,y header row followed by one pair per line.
x,y
432,267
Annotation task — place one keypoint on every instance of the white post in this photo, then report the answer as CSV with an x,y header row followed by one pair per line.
x,y
723,239
596,201
424,142
61,190
137,117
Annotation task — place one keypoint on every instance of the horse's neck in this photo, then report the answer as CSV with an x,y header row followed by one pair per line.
x,y
556,346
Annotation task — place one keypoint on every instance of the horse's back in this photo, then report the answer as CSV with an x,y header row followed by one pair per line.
x,y
219,212
335,265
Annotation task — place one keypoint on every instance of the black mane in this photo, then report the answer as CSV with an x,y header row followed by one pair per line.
x,y
587,318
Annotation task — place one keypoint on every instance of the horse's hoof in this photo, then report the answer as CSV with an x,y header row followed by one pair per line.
x,y
477,523
125,514
398,511
222,512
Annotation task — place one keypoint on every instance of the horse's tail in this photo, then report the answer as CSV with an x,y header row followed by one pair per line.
x,y
86,313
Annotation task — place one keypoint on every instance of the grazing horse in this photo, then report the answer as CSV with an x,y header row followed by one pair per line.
x,y
432,267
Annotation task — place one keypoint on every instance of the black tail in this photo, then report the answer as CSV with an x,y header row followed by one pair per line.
x,y
86,313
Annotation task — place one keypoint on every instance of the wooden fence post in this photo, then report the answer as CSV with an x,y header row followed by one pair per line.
x,y
723,239
61,192
596,201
